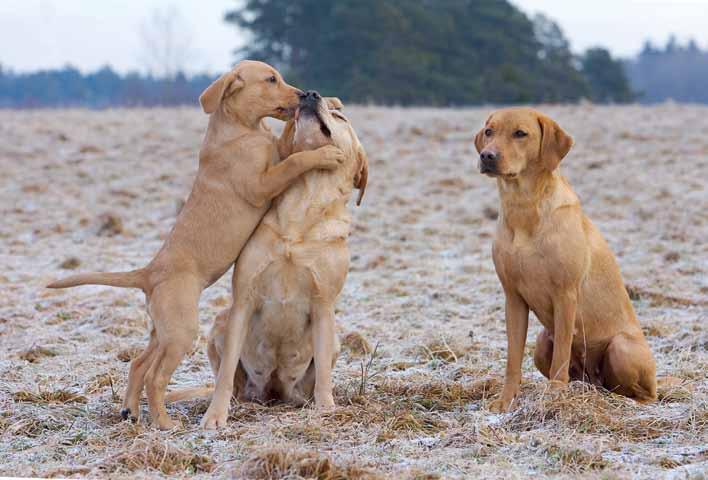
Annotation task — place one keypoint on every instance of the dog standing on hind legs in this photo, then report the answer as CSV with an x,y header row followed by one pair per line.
x,y
552,260
239,173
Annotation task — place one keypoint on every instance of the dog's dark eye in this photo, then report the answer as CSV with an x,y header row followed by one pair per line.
x,y
488,132
272,79
520,134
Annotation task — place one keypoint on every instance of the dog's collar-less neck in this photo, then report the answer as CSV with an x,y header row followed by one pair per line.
x,y
224,128
237,117
522,199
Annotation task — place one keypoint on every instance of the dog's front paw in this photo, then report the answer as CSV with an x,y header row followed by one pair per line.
x,y
166,423
330,157
214,419
557,385
324,402
500,405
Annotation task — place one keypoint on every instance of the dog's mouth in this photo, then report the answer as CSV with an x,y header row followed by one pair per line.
x,y
490,172
286,112
486,170
306,111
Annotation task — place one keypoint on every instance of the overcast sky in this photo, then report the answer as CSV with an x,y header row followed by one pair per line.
x,y
38,34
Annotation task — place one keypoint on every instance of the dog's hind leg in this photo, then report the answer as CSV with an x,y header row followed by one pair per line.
x,y
173,307
136,380
629,369
543,353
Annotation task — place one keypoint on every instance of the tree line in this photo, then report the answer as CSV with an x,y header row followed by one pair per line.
x,y
405,52
68,87
426,52
677,72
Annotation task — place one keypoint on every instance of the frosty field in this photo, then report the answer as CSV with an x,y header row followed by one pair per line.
x,y
421,316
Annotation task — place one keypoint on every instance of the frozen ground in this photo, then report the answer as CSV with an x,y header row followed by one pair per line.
x,y
83,190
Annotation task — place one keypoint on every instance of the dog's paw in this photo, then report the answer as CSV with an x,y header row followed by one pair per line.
x,y
166,423
500,405
214,419
557,385
324,402
126,414
330,157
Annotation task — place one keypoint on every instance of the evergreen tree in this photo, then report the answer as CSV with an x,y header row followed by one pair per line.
x,y
606,77
440,52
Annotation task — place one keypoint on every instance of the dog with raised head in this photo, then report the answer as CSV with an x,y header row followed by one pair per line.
x,y
278,339
553,261
239,173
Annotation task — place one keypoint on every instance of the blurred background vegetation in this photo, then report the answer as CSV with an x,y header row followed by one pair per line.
x,y
403,52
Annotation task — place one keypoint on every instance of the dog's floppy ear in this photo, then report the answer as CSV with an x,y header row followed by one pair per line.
x,y
211,98
334,103
362,175
555,143
479,138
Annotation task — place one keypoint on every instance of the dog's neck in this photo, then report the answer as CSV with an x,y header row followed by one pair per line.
x,y
525,198
225,126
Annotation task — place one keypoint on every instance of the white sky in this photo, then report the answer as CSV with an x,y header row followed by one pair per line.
x,y
38,34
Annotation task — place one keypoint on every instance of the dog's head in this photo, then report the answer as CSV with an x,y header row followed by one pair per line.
x,y
251,91
319,121
514,141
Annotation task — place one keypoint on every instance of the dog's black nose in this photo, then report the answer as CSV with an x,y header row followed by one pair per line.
x,y
314,94
488,161
488,157
310,98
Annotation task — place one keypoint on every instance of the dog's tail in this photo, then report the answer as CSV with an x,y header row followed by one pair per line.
x,y
189,394
132,279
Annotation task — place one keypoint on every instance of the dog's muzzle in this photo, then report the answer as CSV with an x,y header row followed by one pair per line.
x,y
488,162
310,99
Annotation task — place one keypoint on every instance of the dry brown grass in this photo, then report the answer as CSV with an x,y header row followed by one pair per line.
x,y
277,463
34,353
49,396
575,460
658,299
441,395
443,348
356,344
674,390
128,354
585,409
156,454
36,425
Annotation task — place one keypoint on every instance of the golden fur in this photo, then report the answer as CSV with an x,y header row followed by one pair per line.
x,y
552,260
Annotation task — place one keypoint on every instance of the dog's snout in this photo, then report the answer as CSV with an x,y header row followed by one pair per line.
x,y
310,99
488,156
488,161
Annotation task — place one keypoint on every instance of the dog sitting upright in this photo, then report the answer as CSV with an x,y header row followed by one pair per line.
x,y
279,340
552,260
239,173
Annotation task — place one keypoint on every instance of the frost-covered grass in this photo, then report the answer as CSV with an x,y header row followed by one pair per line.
x,y
421,314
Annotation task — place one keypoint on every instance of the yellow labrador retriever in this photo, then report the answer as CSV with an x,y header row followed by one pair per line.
x,y
552,260
281,326
239,173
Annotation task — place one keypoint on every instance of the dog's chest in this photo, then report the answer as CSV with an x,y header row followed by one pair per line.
x,y
523,266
